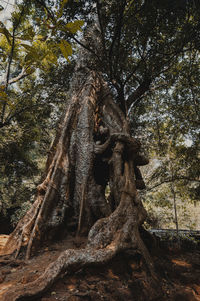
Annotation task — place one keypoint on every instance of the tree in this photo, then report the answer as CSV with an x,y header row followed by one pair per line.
x,y
28,47
94,148
171,129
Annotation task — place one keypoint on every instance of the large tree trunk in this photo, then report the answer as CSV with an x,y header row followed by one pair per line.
x,y
93,149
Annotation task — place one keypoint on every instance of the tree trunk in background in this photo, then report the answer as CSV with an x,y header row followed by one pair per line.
x,y
174,199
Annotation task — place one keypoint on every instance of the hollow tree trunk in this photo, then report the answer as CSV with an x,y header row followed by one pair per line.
x,y
90,151
93,148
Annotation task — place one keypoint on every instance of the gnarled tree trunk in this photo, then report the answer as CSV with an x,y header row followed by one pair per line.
x,y
93,149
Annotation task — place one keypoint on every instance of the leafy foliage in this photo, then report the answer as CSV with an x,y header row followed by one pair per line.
x,y
28,106
171,126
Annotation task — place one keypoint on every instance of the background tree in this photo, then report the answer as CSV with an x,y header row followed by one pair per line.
x,y
30,54
173,139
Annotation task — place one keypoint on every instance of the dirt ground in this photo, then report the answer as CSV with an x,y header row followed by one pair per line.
x,y
122,279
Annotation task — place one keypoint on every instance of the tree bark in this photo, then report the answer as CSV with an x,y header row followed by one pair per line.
x,y
93,148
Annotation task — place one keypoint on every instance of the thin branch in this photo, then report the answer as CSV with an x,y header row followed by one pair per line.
x,y
135,103
85,47
166,181
101,27
51,15
144,87
119,36
116,35
19,77
10,58
132,73
17,113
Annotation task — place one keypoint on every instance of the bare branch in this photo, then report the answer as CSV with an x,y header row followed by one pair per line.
x,y
19,77
10,58
85,47
116,36
167,181
144,87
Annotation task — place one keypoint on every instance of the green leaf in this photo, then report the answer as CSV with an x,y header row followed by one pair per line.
x,y
32,53
3,95
30,70
27,35
73,27
66,49
1,8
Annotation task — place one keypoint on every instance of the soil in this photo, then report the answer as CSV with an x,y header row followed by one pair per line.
x,y
122,279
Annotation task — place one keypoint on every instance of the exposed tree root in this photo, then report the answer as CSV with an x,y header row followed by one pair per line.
x,y
21,233
68,261
107,237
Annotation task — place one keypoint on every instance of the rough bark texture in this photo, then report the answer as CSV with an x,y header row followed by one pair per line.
x,y
93,149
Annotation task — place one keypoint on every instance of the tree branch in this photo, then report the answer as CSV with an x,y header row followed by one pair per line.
x,y
116,35
144,87
85,47
19,77
118,38
132,73
8,120
101,27
10,58
166,181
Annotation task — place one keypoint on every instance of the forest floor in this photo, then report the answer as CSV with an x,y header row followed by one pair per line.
x,y
122,279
